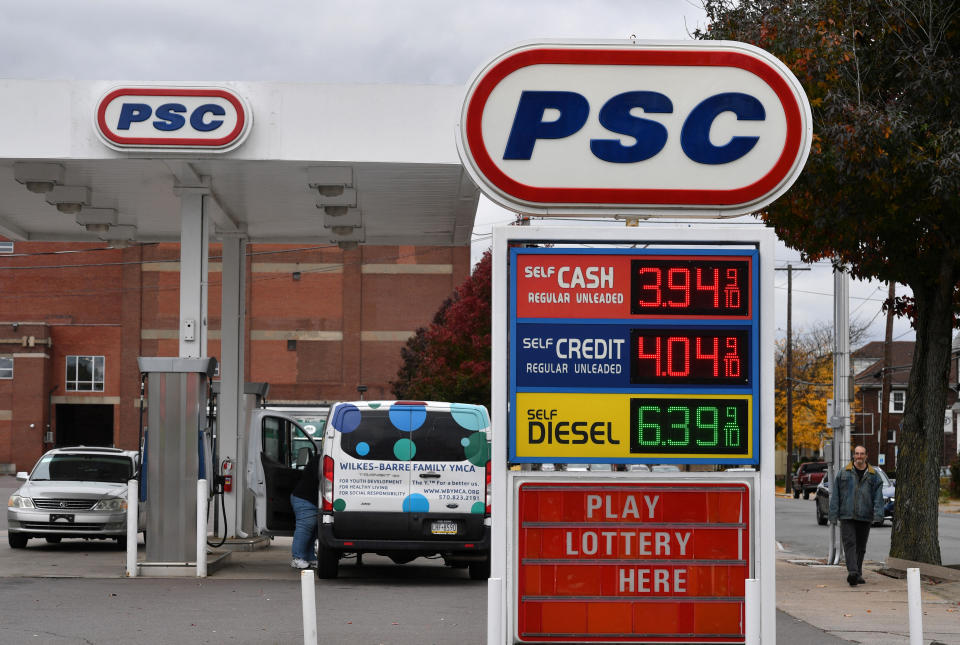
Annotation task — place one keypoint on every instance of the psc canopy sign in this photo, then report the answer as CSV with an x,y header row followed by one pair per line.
x,y
714,129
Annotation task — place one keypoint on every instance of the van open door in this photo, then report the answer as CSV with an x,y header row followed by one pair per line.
x,y
284,452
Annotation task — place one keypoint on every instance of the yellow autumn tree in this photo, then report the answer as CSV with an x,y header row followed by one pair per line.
x,y
812,377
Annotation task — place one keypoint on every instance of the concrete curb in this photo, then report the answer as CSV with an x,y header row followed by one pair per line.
x,y
946,573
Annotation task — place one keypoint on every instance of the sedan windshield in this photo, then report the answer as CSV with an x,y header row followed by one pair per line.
x,y
88,468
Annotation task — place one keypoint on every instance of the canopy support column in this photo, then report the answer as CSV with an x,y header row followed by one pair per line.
x,y
194,244
232,431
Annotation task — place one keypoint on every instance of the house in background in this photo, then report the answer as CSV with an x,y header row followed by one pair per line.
x,y
882,443
320,321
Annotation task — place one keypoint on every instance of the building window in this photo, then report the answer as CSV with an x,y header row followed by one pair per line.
x,y
6,247
84,373
6,367
898,399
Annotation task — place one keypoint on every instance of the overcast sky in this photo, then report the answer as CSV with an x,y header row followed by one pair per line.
x,y
358,41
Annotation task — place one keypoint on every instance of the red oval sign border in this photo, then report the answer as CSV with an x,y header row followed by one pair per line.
x,y
629,196
163,142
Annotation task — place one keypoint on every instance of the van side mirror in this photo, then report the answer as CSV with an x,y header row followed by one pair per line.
x,y
303,456
23,476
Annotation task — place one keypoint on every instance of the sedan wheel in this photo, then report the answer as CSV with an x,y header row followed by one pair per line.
x,y
53,539
821,518
17,540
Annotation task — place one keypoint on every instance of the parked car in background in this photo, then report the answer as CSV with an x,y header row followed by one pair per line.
x,y
807,478
75,492
823,498
665,468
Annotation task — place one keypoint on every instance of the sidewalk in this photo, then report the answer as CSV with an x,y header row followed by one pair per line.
x,y
876,612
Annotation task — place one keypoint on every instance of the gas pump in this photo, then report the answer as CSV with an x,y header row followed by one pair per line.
x,y
174,456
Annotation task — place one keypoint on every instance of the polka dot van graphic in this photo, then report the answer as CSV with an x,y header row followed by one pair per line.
x,y
411,457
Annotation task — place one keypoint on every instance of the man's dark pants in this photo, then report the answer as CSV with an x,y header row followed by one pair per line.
x,y
853,534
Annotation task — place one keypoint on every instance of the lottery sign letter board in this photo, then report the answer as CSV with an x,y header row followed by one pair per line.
x,y
631,562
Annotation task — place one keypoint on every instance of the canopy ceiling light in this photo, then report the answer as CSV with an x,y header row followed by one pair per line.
x,y
331,190
38,177
69,200
350,218
97,220
347,197
119,234
335,211
330,181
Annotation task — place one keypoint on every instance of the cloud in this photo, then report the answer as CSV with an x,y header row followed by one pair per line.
x,y
333,41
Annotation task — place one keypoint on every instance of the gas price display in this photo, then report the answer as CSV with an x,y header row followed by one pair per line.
x,y
689,356
668,425
635,355
700,286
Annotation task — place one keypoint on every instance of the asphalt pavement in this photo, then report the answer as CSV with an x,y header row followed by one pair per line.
x,y
256,599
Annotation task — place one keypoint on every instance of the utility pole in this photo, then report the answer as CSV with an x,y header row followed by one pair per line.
x,y
886,376
788,480
840,444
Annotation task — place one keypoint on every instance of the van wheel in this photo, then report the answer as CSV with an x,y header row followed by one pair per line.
x,y
328,562
17,540
480,570
122,543
821,518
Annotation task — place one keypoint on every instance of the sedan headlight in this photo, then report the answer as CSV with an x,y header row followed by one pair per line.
x,y
111,504
19,501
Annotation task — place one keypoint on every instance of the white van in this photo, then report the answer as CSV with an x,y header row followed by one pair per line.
x,y
406,479
278,448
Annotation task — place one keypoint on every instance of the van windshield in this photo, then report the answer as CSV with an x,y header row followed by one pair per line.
x,y
438,438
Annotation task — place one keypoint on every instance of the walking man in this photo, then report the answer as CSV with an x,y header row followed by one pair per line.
x,y
856,499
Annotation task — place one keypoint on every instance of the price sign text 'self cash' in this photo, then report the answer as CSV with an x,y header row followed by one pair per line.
x,y
665,339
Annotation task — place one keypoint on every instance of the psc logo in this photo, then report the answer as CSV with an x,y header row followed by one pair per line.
x,y
171,118
716,129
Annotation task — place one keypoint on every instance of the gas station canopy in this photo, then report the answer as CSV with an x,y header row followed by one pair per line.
x,y
346,164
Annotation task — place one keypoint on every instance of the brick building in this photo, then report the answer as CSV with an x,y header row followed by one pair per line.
x,y
320,321
868,368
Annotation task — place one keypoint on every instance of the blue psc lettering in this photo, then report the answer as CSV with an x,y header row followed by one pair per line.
x,y
530,125
169,116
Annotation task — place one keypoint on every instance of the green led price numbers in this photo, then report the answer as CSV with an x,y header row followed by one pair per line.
x,y
689,426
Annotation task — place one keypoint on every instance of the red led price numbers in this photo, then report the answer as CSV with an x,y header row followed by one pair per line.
x,y
689,356
699,286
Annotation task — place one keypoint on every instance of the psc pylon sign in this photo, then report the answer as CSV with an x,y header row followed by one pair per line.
x,y
650,128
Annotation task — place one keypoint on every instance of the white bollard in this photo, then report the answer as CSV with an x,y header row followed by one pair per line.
x,y
751,611
133,515
201,528
914,606
494,619
308,595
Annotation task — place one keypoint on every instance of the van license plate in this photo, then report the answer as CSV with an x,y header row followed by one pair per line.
x,y
443,528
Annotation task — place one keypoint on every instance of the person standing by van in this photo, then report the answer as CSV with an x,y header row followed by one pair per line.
x,y
856,499
304,500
